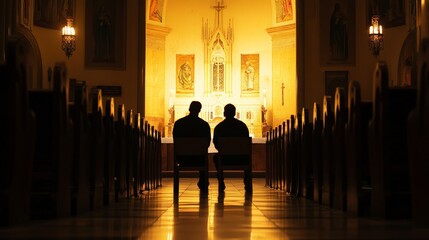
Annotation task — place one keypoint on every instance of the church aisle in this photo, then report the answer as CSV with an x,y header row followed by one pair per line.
x,y
267,214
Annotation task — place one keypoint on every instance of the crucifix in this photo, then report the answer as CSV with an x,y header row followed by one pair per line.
x,y
283,94
219,7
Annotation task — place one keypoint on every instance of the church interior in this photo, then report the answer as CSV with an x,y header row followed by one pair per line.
x,y
333,93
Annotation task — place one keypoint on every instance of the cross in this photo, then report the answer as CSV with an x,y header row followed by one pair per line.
x,y
219,8
283,94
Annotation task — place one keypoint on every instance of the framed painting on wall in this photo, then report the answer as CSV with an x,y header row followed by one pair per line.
x,y
284,12
337,32
105,34
53,13
392,13
185,84
155,11
249,74
334,79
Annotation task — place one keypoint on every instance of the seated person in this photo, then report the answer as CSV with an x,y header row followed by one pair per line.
x,y
193,126
230,127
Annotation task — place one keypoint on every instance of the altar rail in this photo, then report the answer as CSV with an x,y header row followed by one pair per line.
x,y
258,151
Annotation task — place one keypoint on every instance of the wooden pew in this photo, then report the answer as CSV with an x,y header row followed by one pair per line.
x,y
18,133
135,163
130,152
278,158
289,156
110,152
147,164
356,135
317,154
306,156
418,140
51,186
339,150
327,155
97,151
298,160
269,157
158,158
283,154
121,155
80,179
391,196
152,159
142,158
292,157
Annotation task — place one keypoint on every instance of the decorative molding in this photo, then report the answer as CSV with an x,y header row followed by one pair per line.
x,y
155,30
281,29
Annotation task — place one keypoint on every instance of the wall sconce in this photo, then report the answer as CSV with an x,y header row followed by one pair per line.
x,y
375,36
68,43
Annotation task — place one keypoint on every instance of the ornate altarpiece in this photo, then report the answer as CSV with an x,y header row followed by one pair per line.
x,y
217,57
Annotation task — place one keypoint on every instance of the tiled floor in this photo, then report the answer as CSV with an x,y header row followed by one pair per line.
x,y
267,214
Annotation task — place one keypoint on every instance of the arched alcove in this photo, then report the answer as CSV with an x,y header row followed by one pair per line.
x,y
23,46
407,61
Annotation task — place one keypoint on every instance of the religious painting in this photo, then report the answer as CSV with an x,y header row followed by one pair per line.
x,y
391,12
53,13
284,12
26,13
156,11
249,74
105,34
337,32
185,74
334,79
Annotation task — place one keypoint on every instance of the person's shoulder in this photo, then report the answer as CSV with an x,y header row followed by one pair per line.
x,y
179,121
202,121
239,121
242,124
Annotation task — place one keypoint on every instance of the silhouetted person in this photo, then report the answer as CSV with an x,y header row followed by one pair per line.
x,y
193,126
230,127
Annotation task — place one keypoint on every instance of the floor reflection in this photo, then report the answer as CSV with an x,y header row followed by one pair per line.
x,y
233,219
266,214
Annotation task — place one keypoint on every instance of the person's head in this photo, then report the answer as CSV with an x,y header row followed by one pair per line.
x,y
229,110
195,108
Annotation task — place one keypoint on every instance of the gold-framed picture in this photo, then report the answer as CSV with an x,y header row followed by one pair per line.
x,y
185,83
249,74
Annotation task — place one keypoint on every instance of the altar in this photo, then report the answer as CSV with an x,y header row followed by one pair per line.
x,y
258,158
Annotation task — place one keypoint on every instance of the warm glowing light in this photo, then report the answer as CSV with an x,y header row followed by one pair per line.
x,y
68,43
375,36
